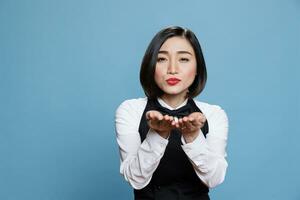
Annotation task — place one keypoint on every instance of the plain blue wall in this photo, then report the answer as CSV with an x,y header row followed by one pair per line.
x,y
65,66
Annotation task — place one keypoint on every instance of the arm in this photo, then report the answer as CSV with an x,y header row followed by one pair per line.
x,y
208,154
138,160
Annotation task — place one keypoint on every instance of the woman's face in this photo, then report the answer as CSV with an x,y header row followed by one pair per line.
x,y
175,68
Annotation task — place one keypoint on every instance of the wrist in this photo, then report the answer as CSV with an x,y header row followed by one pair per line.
x,y
164,134
190,137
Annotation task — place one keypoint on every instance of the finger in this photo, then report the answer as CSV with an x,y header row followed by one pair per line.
x,y
202,118
188,125
191,118
177,124
148,115
153,115
185,119
176,120
167,120
180,121
194,121
157,116
149,118
197,121
197,116
173,122
182,124
200,121
167,117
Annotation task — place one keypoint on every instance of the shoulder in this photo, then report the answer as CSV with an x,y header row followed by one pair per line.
x,y
132,106
133,103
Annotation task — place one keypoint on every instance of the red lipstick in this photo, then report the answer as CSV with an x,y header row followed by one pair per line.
x,y
173,81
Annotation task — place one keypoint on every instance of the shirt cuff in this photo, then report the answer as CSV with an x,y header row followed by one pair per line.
x,y
156,142
195,148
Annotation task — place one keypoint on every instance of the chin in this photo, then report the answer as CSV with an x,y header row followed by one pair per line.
x,y
173,92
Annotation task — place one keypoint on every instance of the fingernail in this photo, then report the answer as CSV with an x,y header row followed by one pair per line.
x,y
176,119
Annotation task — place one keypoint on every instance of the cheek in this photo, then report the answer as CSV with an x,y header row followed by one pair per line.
x,y
191,73
158,74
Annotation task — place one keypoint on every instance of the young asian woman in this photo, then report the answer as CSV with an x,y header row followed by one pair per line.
x,y
171,145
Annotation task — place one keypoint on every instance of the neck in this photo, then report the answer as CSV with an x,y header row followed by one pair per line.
x,y
173,100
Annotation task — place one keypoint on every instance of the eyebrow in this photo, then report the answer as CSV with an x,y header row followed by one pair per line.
x,y
180,52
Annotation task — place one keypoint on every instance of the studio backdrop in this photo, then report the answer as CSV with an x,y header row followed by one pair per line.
x,y
65,66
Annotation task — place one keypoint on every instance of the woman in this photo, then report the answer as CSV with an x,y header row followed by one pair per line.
x,y
172,146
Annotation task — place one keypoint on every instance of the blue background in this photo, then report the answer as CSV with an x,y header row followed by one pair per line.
x,y
65,66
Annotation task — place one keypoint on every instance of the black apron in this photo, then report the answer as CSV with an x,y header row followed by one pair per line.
x,y
175,177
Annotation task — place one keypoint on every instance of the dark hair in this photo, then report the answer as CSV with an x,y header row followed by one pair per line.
x,y
149,62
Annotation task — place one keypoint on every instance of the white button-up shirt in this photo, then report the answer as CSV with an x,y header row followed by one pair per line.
x,y
139,159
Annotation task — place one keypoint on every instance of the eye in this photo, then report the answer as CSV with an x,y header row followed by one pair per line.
x,y
184,59
161,59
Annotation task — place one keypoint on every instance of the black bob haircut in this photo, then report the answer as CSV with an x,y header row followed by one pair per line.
x,y
150,58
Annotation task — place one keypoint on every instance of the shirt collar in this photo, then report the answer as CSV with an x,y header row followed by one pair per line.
x,y
164,104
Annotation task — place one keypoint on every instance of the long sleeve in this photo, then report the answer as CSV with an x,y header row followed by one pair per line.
x,y
208,154
138,160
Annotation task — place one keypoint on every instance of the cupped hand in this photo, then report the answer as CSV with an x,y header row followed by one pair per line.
x,y
162,124
190,125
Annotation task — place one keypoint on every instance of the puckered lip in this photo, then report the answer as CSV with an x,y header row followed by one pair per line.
x,y
173,79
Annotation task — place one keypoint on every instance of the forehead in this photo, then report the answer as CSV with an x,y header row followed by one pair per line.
x,y
177,44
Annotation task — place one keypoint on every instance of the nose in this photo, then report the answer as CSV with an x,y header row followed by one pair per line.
x,y
172,68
